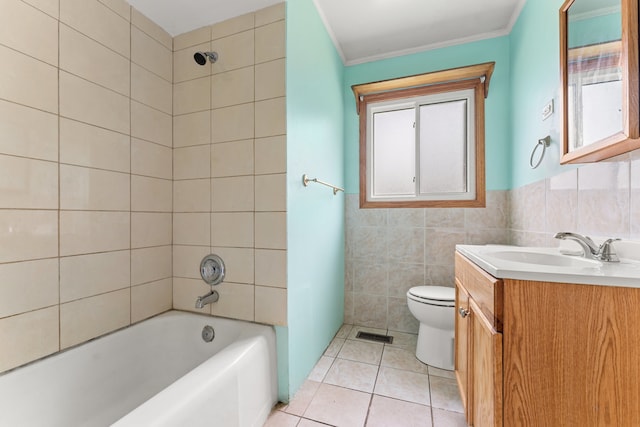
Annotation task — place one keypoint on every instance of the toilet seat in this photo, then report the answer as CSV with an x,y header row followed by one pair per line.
x,y
433,295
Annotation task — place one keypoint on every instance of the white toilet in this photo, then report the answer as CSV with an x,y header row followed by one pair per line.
x,y
434,307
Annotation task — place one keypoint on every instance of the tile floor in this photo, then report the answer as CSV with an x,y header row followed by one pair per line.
x,y
362,383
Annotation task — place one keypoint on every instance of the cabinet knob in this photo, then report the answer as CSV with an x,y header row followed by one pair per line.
x,y
464,312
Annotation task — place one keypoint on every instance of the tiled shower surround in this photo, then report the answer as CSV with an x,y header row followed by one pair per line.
x,y
122,163
390,250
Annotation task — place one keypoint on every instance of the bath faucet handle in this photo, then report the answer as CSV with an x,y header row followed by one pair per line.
x,y
607,252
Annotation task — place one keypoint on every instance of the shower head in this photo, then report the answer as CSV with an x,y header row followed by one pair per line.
x,y
201,57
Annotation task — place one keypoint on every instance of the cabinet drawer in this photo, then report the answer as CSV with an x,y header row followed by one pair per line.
x,y
485,289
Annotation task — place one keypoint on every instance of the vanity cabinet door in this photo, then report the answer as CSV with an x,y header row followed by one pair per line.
x,y
486,371
462,349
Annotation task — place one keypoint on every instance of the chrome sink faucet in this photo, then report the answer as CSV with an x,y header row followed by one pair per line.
x,y
605,252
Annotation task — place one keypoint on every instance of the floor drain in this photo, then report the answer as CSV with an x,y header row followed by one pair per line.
x,y
387,339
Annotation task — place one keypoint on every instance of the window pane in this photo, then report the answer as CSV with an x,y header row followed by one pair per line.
x,y
393,154
443,147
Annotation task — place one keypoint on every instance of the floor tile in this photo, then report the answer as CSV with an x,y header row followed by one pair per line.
x,y
386,412
402,339
437,372
401,358
354,375
310,423
344,331
280,419
334,347
356,329
444,394
361,351
321,368
403,385
442,418
339,406
302,398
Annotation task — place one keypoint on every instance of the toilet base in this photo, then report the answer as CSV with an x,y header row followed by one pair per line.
x,y
435,347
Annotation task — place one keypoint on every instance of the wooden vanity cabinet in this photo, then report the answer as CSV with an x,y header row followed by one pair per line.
x,y
547,354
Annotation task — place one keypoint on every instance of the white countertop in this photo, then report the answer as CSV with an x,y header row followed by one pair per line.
x,y
626,273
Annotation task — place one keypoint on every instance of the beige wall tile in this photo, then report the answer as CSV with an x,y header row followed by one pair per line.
x,y
32,335
271,192
193,195
150,299
192,129
27,81
88,232
192,229
97,21
150,124
270,79
232,26
186,68
27,183
187,291
232,194
270,42
151,55
85,145
186,261
151,28
150,194
191,96
232,123
232,158
270,14
150,229
232,88
28,234
150,264
271,230
92,61
192,38
88,318
192,162
88,275
271,154
271,305
150,159
93,189
236,301
28,132
28,286
29,30
121,7
150,89
271,268
232,229
236,51
93,104
239,263
271,117
50,7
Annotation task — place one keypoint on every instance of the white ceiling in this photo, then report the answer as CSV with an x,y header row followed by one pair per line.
x,y
362,30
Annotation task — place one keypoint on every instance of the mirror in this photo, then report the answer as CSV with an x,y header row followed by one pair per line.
x,y
599,68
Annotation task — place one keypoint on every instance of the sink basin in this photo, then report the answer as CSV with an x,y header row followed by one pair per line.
x,y
547,259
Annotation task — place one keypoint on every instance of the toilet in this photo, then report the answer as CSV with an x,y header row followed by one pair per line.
x,y
434,307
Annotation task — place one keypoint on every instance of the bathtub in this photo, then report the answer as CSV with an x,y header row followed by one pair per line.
x,y
156,373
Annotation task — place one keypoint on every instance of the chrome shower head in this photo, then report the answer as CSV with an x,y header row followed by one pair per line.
x,y
201,57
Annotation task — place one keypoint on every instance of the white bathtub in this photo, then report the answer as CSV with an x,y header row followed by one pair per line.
x,y
157,373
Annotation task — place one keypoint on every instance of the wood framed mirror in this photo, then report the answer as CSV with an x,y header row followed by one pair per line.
x,y
599,71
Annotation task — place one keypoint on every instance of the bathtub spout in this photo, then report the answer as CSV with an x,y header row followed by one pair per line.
x,y
209,298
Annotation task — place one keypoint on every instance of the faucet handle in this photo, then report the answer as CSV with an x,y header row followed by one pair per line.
x,y
607,253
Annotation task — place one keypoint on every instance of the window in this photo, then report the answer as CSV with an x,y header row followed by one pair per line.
x,y
422,139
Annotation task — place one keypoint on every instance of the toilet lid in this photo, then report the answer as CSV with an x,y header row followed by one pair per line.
x,y
436,293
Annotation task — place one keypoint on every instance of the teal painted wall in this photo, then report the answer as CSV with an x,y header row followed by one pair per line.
x,y
497,143
594,30
315,217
